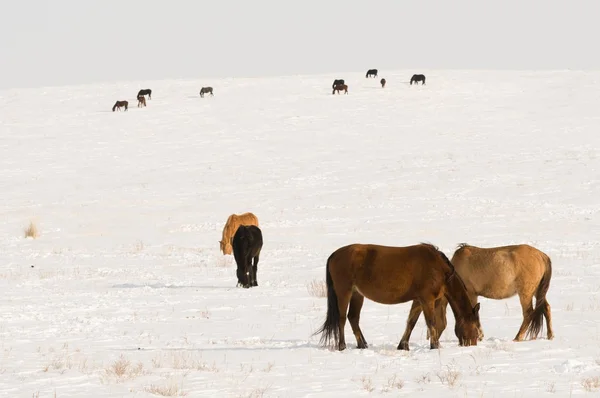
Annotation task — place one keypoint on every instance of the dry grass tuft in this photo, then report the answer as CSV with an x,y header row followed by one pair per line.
x,y
317,288
169,390
449,376
393,383
121,370
591,384
32,231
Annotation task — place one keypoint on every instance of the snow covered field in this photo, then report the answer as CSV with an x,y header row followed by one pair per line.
x,y
125,293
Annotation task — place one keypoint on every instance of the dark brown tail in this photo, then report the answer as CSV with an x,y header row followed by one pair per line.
x,y
536,319
330,329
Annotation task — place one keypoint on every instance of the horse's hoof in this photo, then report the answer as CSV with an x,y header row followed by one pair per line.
x,y
550,336
403,346
434,346
342,347
362,346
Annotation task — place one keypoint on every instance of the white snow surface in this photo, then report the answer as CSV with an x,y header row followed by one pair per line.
x,y
125,292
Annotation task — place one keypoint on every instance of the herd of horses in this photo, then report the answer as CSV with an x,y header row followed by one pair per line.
x,y
420,273
141,97
338,86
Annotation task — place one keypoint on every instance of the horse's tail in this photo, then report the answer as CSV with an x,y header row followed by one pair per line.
x,y
330,329
536,319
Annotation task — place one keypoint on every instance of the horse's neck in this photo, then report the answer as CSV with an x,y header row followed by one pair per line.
x,y
457,297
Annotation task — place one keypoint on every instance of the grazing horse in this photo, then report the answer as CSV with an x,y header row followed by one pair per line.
x,y
247,243
502,272
417,78
339,88
337,82
371,72
231,226
141,101
146,91
393,275
205,90
120,104
382,81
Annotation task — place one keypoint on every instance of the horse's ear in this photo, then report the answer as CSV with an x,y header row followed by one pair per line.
x,y
476,309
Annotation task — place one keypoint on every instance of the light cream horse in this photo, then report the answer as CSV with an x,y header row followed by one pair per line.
x,y
231,226
499,273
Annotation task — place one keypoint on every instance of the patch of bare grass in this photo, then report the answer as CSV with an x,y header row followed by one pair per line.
x,y
32,231
317,288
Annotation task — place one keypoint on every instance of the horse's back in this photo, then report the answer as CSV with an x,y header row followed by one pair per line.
x,y
248,240
499,272
388,274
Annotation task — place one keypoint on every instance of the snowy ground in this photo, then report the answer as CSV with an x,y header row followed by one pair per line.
x,y
125,293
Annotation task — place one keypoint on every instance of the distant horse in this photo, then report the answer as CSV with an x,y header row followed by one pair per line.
x,y
337,82
205,90
231,226
141,101
417,78
371,72
120,104
382,81
339,88
146,91
502,272
393,275
247,244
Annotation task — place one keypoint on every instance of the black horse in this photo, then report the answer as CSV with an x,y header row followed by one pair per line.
x,y
417,78
337,82
145,91
371,72
206,90
247,243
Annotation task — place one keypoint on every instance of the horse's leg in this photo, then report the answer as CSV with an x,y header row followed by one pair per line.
x,y
240,276
413,317
440,316
548,316
344,294
526,299
254,269
429,313
356,303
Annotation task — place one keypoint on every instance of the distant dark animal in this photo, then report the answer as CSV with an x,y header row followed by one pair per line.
x,y
206,90
501,272
417,78
146,91
382,81
141,101
119,104
231,226
371,72
337,82
393,275
247,244
339,88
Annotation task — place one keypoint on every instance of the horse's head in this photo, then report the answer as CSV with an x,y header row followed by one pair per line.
x,y
225,248
468,329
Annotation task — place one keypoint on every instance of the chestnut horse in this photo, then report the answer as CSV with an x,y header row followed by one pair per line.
x,y
141,101
120,104
502,272
339,88
393,275
382,81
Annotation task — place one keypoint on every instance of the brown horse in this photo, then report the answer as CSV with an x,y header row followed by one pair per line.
x,y
339,88
206,90
382,81
393,275
141,101
502,272
120,104
231,226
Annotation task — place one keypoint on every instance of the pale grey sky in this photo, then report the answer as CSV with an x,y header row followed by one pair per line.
x,y
58,42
